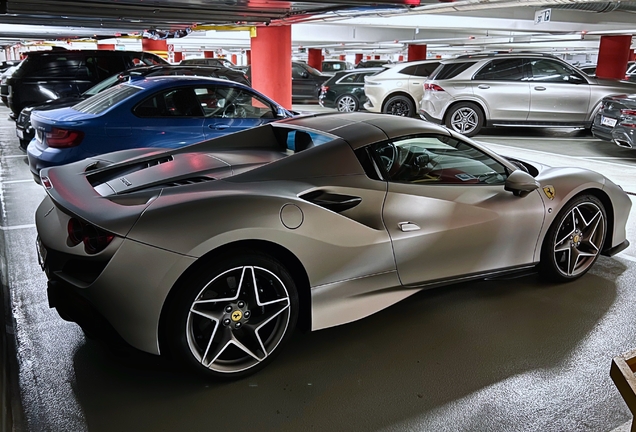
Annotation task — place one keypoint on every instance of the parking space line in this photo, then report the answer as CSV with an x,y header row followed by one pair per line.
x,y
16,227
13,156
627,257
16,181
590,158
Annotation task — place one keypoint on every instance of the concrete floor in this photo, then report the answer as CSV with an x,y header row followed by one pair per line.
x,y
499,355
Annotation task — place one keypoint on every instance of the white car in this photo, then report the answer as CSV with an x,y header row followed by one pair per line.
x,y
396,90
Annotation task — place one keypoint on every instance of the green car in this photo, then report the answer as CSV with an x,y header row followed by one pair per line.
x,y
345,90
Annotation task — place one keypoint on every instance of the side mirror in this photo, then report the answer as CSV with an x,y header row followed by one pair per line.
x,y
521,183
281,113
304,75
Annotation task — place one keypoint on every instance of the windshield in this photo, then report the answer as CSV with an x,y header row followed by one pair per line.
x,y
106,99
311,70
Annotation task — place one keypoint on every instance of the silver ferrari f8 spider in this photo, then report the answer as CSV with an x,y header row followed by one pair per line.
x,y
217,251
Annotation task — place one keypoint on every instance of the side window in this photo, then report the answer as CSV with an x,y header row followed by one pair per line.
x,y
347,79
59,67
108,66
546,70
297,72
436,159
502,70
230,102
426,69
409,70
172,103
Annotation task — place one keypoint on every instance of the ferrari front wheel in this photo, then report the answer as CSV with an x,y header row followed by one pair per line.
x,y
574,240
229,321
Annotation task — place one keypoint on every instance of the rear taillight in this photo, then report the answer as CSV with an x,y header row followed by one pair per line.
x,y
628,112
432,87
63,138
95,239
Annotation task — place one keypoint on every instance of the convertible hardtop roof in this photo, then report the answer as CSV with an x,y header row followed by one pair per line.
x,y
360,129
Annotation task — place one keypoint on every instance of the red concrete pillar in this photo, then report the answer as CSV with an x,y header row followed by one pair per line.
x,y
159,47
177,57
416,52
248,56
613,55
358,58
105,46
234,58
271,63
208,54
342,57
314,58
632,55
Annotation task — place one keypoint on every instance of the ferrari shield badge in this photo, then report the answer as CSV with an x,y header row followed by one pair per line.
x,y
549,191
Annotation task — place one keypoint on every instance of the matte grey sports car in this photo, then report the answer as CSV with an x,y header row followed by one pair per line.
x,y
215,252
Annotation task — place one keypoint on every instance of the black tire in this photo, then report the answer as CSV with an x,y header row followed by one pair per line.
x,y
466,118
347,103
575,239
24,144
262,320
400,106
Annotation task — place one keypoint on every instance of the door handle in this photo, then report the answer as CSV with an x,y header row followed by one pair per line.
x,y
539,88
408,226
219,127
483,86
415,83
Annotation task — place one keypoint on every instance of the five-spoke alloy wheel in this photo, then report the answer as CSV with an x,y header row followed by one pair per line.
x,y
575,239
228,322
465,118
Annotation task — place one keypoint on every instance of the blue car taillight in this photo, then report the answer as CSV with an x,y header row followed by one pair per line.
x,y
63,138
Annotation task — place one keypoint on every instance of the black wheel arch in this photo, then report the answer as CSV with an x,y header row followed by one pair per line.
x,y
398,93
278,252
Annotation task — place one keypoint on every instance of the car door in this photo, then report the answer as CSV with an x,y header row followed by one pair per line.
x,y
170,118
447,212
503,87
230,109
558,93
302,85
418,75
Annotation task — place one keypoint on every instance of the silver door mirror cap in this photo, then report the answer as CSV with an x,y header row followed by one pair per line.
x,y
521,183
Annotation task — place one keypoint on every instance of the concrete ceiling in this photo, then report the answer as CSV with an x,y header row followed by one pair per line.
x,y
338,26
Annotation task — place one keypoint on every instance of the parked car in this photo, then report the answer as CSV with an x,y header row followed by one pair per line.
x,y
45,75
218,62
216,252
330,67
306,82
345,90
161,111
25,132
616,120
397,90
4,87
588,69
366,64
520,89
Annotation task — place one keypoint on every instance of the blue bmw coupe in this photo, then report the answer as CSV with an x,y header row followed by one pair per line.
x,y
166,111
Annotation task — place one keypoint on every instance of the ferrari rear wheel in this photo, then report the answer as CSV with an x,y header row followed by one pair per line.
x,y
231,320
575,239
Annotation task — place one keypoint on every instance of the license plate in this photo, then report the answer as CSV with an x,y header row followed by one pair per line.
x,y
608,121
41,252
19,133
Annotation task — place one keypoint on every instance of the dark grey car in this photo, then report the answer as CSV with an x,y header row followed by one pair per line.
x,y
616,120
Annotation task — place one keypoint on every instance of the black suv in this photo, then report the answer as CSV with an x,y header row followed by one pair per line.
x,y
45,75
25,131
